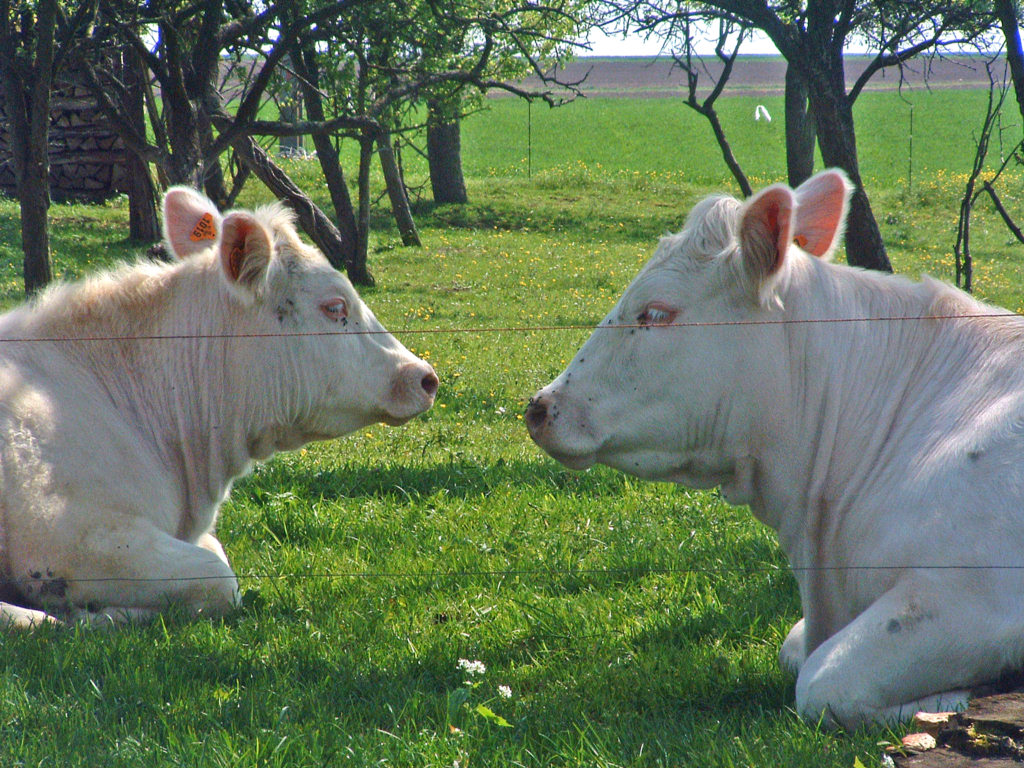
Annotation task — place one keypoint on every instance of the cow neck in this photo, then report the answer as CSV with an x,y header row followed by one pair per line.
x,y
210,425
169,373
853,392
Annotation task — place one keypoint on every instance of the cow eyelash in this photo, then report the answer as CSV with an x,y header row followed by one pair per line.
x,y
656,314
335,309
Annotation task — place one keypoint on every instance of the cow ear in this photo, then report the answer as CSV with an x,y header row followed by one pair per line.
x,y
245,252
191,221
822,203
764,235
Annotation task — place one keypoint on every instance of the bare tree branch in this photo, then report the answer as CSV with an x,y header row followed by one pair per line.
x,y
707,106
1010,225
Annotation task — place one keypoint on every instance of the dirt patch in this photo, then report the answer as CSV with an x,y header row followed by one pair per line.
x,y
990,734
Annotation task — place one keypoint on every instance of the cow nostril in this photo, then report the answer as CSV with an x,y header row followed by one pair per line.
x,y
536,414
430,383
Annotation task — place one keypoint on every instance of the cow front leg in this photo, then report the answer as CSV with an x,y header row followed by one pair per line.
x,y
134,573
19,617
210,543
906,653
794,649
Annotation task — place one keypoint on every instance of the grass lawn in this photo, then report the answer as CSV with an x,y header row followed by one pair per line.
x,y
619,623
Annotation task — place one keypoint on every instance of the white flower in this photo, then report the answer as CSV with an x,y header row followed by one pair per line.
x,y
505,692
472,667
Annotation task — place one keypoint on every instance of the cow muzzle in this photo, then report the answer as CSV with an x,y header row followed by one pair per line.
x,y
412,392
561,430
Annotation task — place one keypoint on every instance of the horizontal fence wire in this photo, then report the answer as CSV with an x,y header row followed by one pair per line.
x,y
530,572
464,575
516,329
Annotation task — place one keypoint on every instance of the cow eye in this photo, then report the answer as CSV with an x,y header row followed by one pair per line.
x,y
335,309
656,313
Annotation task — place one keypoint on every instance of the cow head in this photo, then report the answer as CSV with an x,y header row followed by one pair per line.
x,y
676,383
311,353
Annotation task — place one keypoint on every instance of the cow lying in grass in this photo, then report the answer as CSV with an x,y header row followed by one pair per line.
x,y
131,401
887,453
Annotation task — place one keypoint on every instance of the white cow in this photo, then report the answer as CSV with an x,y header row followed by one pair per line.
x,y
887,453
131,401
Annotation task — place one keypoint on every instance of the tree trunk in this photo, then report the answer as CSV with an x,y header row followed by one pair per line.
x,y
330,163
833,118
363,219
444,156
214,184
800,134
706,107
816,51
27,103
321,231
34,197
337,187
184,163
143,225
1007,13
213,174
29,142
723,144
396,191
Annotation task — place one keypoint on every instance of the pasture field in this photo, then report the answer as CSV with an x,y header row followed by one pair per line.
x,y
663,136
617,623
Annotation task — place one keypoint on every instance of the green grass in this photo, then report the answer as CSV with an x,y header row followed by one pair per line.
x,y
664,138
634,624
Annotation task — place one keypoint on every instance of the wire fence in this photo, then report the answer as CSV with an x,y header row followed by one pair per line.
x,y
537,572
514,573
1006,315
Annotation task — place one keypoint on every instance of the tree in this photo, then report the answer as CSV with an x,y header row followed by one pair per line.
x,y
335,97
304,60
193,126
30,56
143,224
366,73
1007,14
729,34
204,112
1009,23
801,135
528,38
811,35
444,152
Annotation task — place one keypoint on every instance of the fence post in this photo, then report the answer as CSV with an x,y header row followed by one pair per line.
x,y
529,139
910,153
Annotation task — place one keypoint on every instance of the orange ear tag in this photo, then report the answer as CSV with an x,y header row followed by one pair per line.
x,y
205,229
800,241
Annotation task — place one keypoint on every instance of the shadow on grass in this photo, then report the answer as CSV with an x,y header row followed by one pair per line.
x,y
456,478
387,663
121,683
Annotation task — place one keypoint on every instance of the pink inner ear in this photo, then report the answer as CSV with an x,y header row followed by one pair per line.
x,y
245,249
778,220
233,248
783,228
821,211
765,231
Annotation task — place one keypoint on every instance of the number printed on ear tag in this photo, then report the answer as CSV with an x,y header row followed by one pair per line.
x,y
204,230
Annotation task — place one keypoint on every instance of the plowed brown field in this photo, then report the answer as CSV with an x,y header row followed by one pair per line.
x,y
755,75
